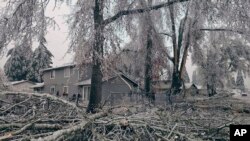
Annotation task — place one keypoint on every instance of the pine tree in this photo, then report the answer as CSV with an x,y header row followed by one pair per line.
x,y
16,67
41,58
240,81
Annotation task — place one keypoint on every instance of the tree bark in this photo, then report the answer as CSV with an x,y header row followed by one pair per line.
x,y
148,58
148,66
96,78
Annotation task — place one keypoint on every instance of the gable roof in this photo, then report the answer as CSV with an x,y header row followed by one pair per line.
x,y
59,67
88,81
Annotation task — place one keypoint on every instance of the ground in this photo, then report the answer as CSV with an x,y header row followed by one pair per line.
x,y
26,116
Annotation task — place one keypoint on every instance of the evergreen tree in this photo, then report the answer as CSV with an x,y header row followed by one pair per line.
x,y
240,81
41,58
16,67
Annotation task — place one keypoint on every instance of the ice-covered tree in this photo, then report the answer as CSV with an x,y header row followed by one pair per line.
x,y
16,67
186,78
41,59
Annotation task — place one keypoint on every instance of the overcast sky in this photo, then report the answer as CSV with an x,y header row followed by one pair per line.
x,y
56,38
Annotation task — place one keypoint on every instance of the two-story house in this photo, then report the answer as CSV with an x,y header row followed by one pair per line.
x,y
68,81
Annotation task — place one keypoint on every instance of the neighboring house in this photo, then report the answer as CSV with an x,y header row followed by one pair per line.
x,y
38,87
21,86
191,89
161,86
114,89
68,81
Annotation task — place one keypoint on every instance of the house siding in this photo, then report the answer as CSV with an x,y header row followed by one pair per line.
x,y
60,81
116,92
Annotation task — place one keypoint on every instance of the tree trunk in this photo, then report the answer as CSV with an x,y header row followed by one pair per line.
x,y
96,78
211,88
176,82
148,66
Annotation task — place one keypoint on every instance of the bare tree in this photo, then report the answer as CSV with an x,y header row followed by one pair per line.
x,y
96,32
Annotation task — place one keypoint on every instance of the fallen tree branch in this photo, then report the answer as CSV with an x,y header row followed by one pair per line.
x,y
43,95
58,134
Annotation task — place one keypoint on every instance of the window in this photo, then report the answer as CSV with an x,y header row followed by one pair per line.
x,y
66,72
86,93
52,74
66,89
52,90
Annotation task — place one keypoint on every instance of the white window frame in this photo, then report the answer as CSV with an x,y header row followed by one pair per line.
x,y
65,74
53,88
67,92
53,72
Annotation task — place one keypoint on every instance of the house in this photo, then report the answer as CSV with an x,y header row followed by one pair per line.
x,y
23,85
68,81
191,89
161,86
37,88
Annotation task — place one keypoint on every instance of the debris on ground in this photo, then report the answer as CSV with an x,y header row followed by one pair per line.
x,y
44,117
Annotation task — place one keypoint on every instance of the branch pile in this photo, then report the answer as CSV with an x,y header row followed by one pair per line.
x,y
28,117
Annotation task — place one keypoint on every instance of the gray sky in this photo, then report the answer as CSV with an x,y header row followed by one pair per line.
x,y
57,41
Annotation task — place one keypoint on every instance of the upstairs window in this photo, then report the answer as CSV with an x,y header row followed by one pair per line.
x,y
66,72
52,74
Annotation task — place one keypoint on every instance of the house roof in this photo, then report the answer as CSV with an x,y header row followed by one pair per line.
x,y
37,85
88,81
189,85
21,81
59,67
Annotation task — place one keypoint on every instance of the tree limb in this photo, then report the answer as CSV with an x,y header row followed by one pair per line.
x,y
167,34
171,11
221,29
140,10
80,126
